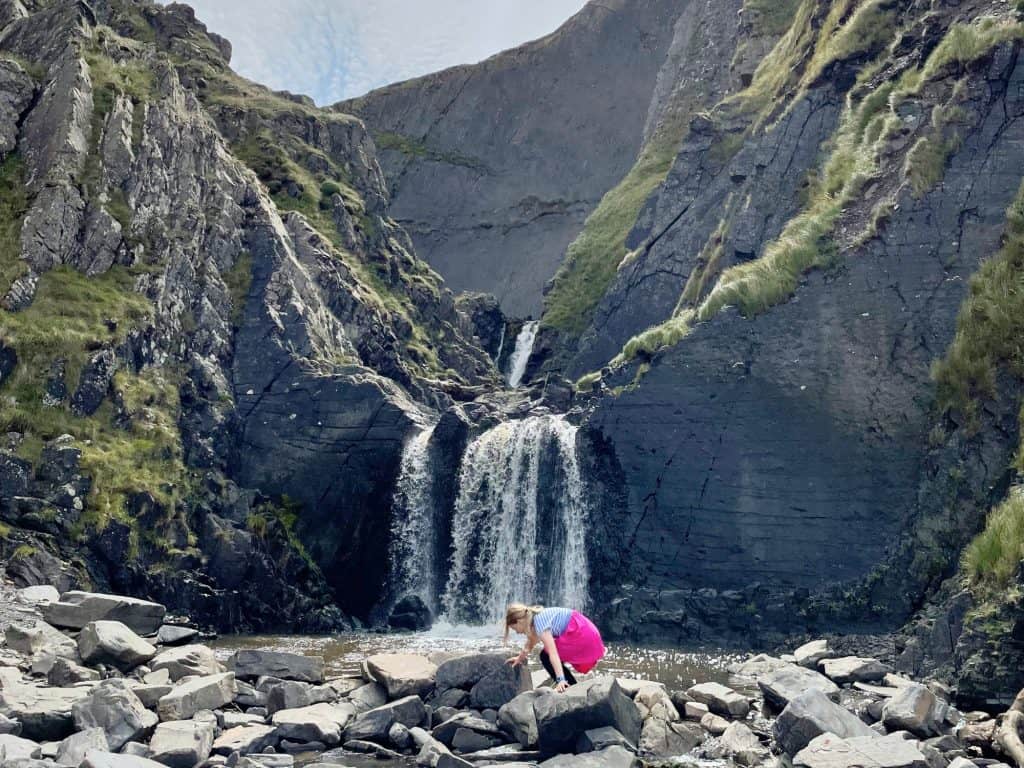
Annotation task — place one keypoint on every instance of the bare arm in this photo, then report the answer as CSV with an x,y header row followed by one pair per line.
x,y
531,641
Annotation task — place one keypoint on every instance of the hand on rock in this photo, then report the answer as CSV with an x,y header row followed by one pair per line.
x,y
561,687
515,661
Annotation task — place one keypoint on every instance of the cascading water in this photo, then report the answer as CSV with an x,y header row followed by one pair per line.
x,y
519,524
413,528
521,355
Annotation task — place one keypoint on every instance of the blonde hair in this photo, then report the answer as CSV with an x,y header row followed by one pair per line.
x,y
517,611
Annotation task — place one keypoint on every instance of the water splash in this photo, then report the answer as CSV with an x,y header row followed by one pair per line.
x,y
521,355
413,529
514,536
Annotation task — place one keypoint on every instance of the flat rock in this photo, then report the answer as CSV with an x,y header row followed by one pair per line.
x,y
73,749
32,638
40,594
249,664
446,731
184,743
319,722
246,739
714,724
185,661
291,694
175,634
506,753
467,740
612,757
44,713
852,669
809,654
403,674
375,724
112,642
150,695
811,714
17,748
65,673
76,609
467,670
98,759
720,699
831,751
785,684
209,692
597,739
562,719
756,666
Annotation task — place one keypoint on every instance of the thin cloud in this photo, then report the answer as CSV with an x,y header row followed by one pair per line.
x,y
337,49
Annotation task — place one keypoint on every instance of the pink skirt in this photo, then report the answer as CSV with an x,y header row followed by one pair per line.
x,y
580,644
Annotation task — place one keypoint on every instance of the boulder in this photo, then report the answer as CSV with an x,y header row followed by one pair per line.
x,y
914,708
852,669
32,638
249,664
44,713
694,710
184,743
720,699
369,696
468,740
209,692
65,673
518,719
612,757
399,736
246,739
150,695
500,686
97,759
43,593
230,720
453,697
562,719
467,670
431,751
403,674
756,666
597,739
741,744
72,750
9,726
662,738
811,714
111,642
185,661
375,724
114,707
76,609
809,654
446,731
831,751
319,722
714,724
448,760
410,613
175,634
654,702
291,694
785,684
16,748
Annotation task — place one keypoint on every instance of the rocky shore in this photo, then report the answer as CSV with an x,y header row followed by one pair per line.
x,y
105,681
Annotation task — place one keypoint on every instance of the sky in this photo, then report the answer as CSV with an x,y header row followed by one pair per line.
x,y
337,49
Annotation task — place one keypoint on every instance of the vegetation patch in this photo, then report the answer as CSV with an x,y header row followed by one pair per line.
x,y
411,147
992,559
238,280
770,17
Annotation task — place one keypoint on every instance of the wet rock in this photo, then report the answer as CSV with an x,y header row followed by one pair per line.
x,y
916,709
809,654
173,634
76,609
831,751
375,724
720,699
662,738
209,692
784,685
518,719
851,669
562,719
612,757
246,739
410,613
248,664
114,707
597,739
403,674
111,642
185,661
810,715
467,670
184,743
319,722
72,751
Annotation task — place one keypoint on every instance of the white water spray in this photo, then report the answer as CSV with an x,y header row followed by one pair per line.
x,y
413,528
521,355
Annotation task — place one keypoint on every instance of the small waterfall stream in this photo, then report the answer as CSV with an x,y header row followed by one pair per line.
x,y
413,526
521,355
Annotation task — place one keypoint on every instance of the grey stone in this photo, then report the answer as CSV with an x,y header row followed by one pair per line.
x,y
76,609
453,697
400,737
65,673
831,751
597,739
186,660
611,757
810,715
184,743
913,708
30,639
40,594
111,642
72,750
98,373
467,740
209,692
809,654
249,664
403,674
446,731
740,743
319,722
246,739
714,724
44,713
467,670
369,696
375,724
852,669
17,748
785,684
174,634
584,706
499,687
518,719
150,695
720,699
291,694
9,726
97,759
114,707
662,738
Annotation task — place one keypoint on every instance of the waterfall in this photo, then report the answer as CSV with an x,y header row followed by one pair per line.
x,y
501,344
413,529
519,523
521,354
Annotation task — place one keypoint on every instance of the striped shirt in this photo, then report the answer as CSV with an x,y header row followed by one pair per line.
x,y
555,619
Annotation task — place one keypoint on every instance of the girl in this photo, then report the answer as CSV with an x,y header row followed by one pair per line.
x,y
568,637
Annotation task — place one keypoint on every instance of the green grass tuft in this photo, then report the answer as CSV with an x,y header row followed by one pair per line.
x,y
965,43
992,559
411,147
239,281
770,17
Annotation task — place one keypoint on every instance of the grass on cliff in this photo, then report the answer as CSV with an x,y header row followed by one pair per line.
x,y
991,561
770,17
416,148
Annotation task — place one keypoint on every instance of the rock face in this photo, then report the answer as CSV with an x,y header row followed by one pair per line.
x,y
285,666
812,714
513,189
403,674
561,720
